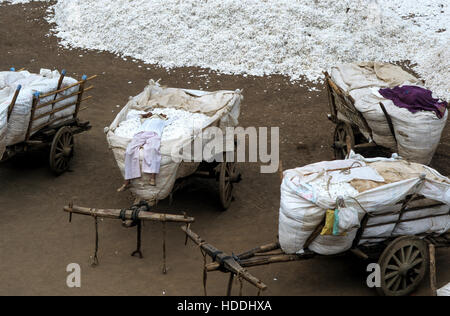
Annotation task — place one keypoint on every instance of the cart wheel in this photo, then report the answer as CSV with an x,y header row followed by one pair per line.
x,y
344,140
62,150
403,266
226,178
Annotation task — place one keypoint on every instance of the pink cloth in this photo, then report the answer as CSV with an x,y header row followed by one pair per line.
x,y
150,142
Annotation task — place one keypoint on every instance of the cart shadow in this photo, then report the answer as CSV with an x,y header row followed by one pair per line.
x,y
27,162
199,196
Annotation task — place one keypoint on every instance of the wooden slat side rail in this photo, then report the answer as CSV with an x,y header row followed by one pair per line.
x,y
33,110
80,97
68,87
346,99
58,119
13,101
408,210
115,214
417,198
40,106
360,231
389,121
59,109
228,262
407,220
331,99
55,111
60,81
35,129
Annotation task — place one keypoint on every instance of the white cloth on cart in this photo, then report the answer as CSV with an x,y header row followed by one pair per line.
x,y
308,192
418,134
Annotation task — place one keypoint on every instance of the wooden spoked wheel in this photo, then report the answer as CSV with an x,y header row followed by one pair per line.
x,y
227,177
62,150
403,266
344,140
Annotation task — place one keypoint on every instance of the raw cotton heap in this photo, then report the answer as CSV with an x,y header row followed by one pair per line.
x,y
22,1
192,111
295,38
417,135
13,131
375,186
182,123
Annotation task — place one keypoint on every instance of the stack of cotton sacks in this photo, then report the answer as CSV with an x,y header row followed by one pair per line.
x,y
13,131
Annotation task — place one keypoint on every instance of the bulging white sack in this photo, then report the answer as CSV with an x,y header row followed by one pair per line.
x,y
418,134
3,125
304,203
222,107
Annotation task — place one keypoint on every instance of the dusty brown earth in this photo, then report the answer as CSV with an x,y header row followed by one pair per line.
x,y
37,242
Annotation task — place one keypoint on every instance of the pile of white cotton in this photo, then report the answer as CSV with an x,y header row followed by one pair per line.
x,y
299,38
182,123
323,185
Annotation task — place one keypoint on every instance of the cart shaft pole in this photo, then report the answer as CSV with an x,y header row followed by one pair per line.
x,y
433,282
228,262
115,214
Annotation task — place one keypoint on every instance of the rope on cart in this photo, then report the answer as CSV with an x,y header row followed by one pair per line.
x,y
214,255
348,170
362,207
122,214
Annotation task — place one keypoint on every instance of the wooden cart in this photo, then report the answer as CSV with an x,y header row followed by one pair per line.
x,y
59,138
225,173
404,260
352,131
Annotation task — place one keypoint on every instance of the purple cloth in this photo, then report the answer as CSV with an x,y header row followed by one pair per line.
x,y
415,99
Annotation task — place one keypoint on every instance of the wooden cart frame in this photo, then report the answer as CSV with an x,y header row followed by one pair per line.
x,y
404,260
59,137
352,131
225,173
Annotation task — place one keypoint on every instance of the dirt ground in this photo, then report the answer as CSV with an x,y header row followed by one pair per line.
x,y
37,242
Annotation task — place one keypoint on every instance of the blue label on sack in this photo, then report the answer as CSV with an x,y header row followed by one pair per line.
x,y
336,223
